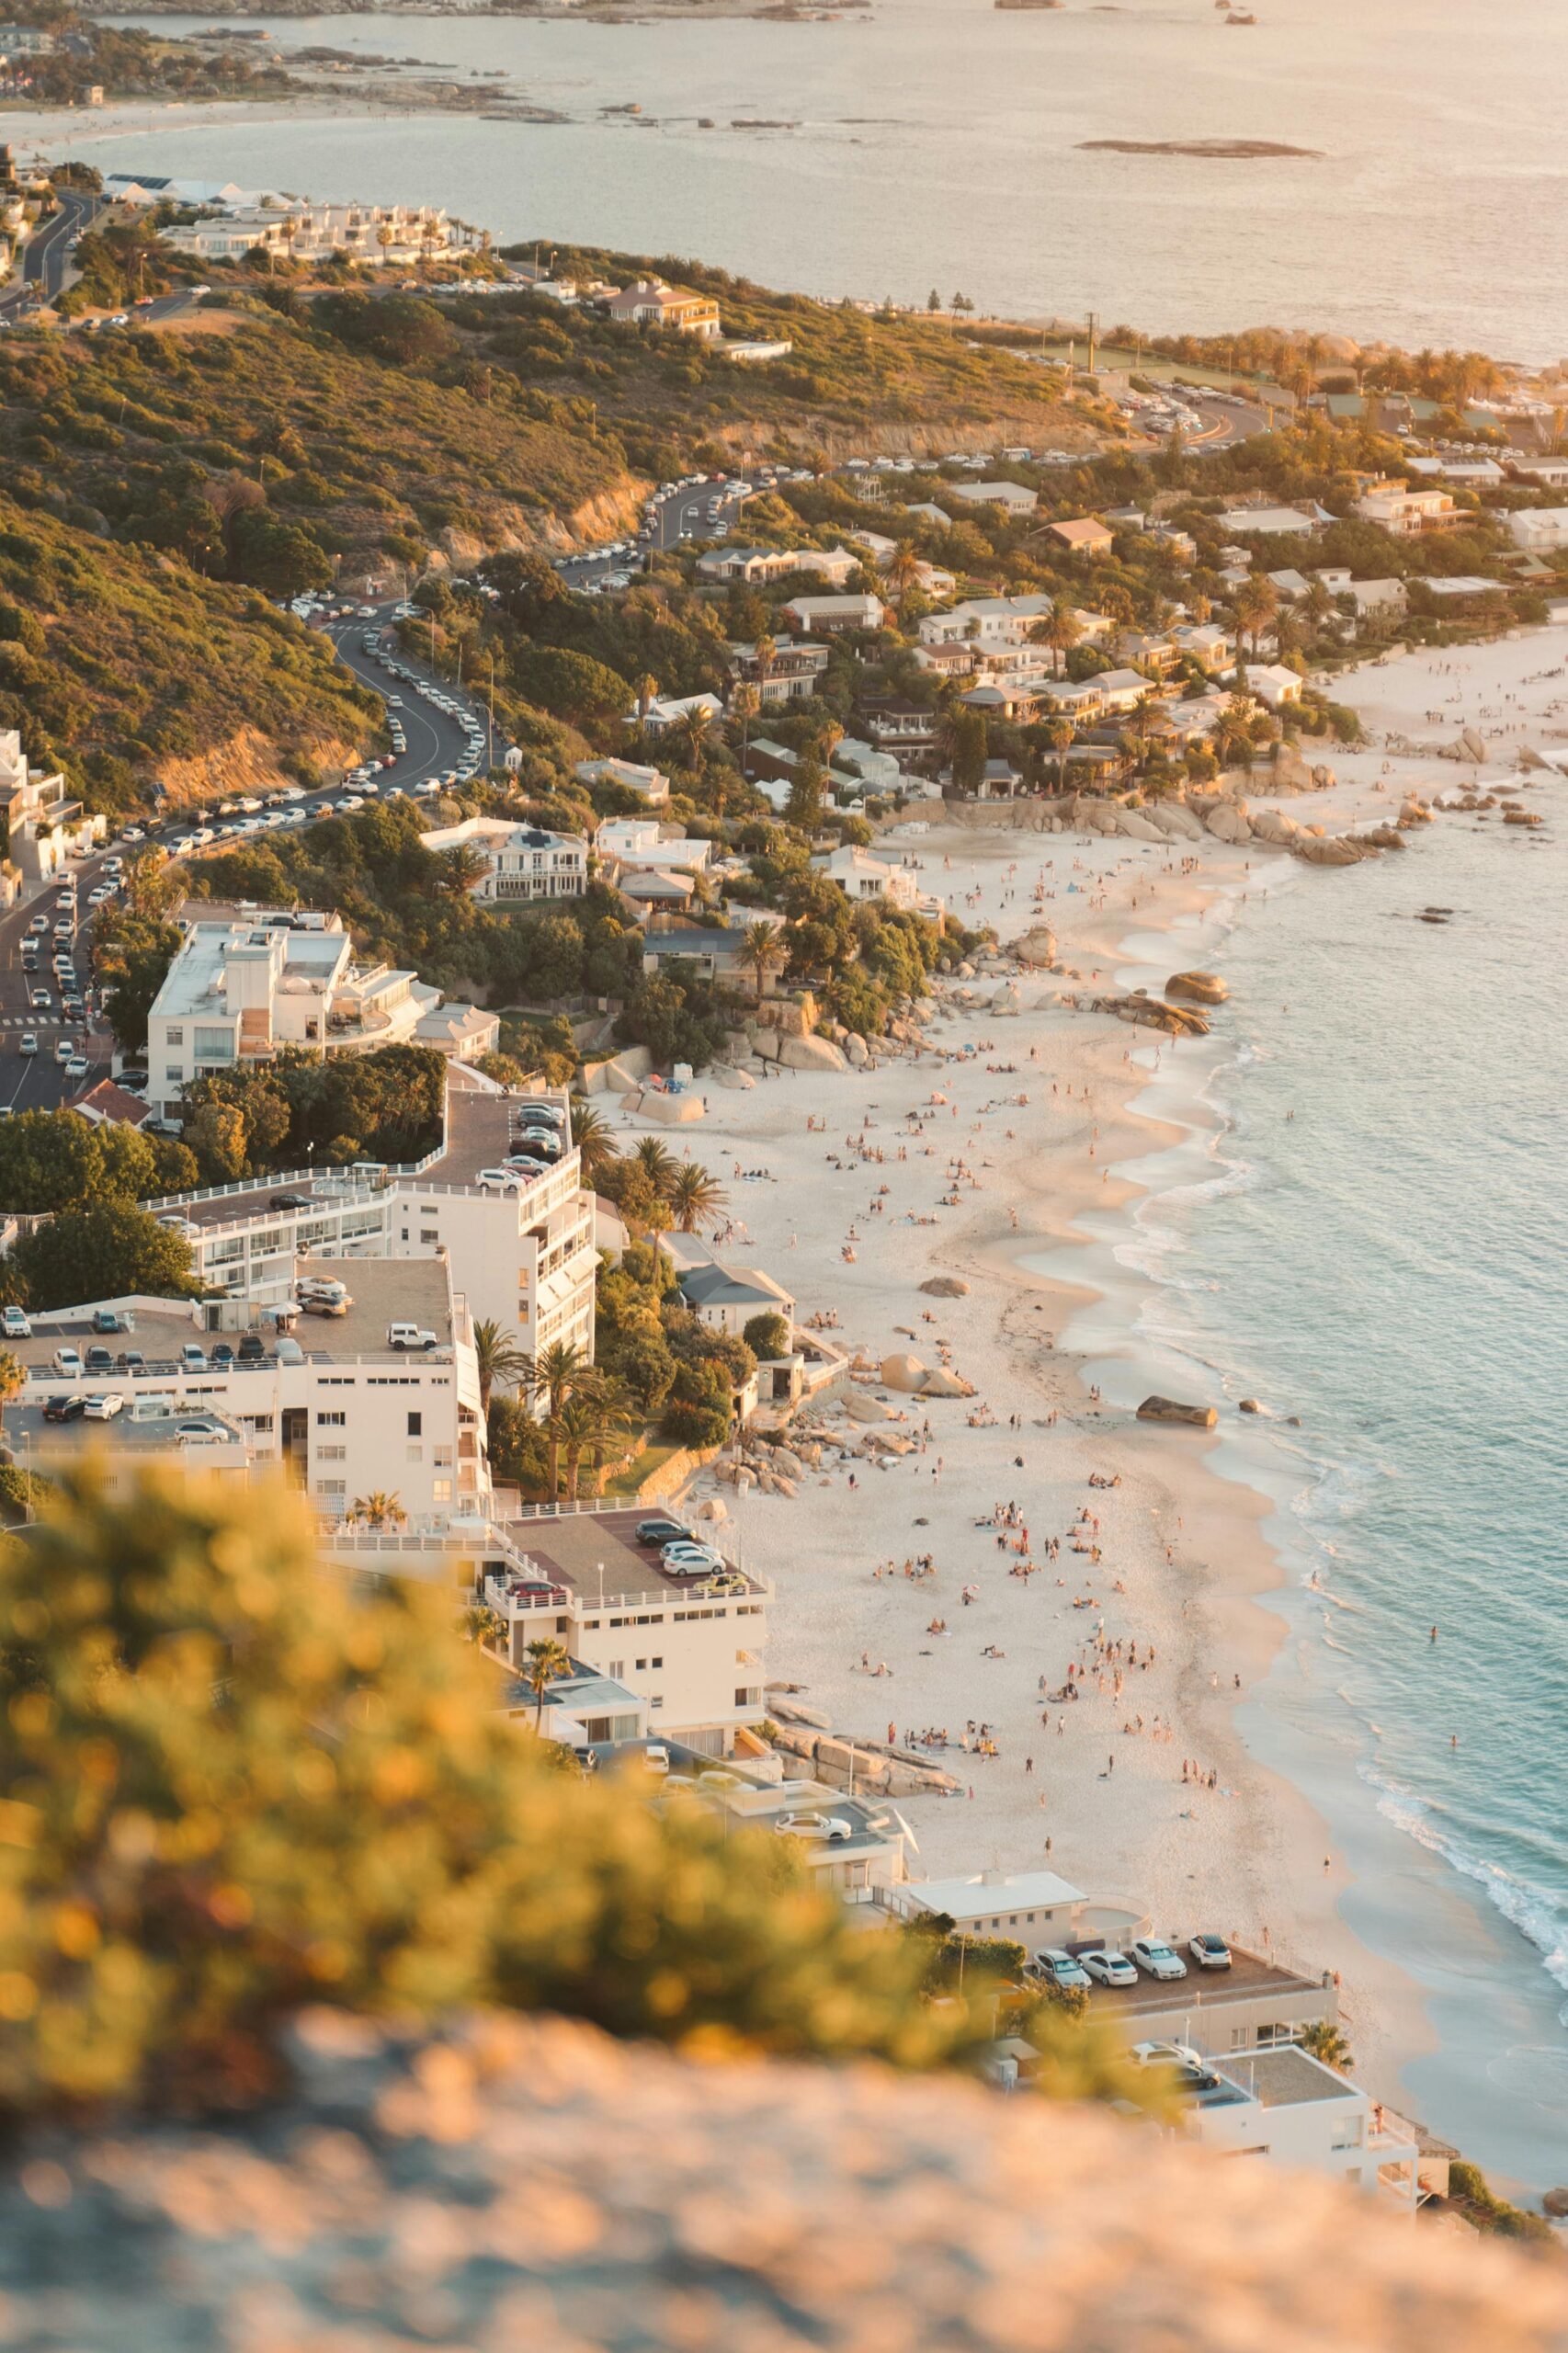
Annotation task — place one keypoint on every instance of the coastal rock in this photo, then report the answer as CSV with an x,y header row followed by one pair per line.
x,y
1035,947
1249,1405
942,1383
1289,772
861,1408
905,1373
945,1287
1274,826
856,1053
1332,849
1137,825
1198,988
1230,821
1150,1013
739,1081
1166,1409
811,1053
1472,747
1555,2203
671,1110
1176,822
1522,817
1413,812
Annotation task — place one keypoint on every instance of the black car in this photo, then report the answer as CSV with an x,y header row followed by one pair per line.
x,y
64,1409
131,1361
222,1353
100,1360
253,1348
662,1531
289,1201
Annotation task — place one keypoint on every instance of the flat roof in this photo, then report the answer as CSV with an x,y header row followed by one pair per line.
x,y
384,1291
1285,2078
480,1129
24,1423
569,1548
968,1898
191,985
1247,1978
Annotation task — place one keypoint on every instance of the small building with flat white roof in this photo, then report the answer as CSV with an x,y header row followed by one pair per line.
x,y
1032,1908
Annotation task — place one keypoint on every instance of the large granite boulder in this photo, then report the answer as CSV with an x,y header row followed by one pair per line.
x,y
1035,947
1166,1409
811,1053
1196,988
1230,821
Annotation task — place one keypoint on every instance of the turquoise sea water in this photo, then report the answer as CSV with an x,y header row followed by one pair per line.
x,y
1378,1242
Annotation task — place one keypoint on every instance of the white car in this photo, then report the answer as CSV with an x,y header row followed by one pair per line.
x,y
1109,1968
77,1066
1157,1958
1209,1951
29,1043
497,1180
833,1827
103,1406
15,1324
1059,1968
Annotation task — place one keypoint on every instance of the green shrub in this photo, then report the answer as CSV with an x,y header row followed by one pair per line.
x,y
229,1784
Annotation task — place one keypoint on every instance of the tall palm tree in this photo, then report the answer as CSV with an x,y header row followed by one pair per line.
x,y
1061,630
658,1160
696,1197
692,728
546,1660
1326,2042
763,950
1256,602
378,1509
902,573
593,1422
499,1358
1062,732
591,1133
556,1374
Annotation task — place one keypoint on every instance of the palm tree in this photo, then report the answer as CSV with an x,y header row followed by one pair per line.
x,y
692,728
1232,730
556,1374
659,1162
377,1510
592,1423
1061,630
461,867
1256,602
647,693
1062,732
695,1197
547,1659
745,702
763,951
596,1147
1326,2043
902,572
499,1358
765,653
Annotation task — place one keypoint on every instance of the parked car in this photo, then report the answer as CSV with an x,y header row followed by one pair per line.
x,y
1209,1952
1156,1958
103,1406
63,1409
131,1361
105,1319
289,1201
1109,1968
650,1532
15,1324
1059,1968
253,1348
833,1827
99,1360
192,1358
409,1336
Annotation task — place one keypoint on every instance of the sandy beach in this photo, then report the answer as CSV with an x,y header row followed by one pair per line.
x,y
1010,1156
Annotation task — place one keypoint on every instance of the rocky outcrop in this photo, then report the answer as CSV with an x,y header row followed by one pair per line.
x,y
1152,1013
856,1053
1230,821
1035,947
811,1053
1196,988
529,2182
1166,1409
945,1287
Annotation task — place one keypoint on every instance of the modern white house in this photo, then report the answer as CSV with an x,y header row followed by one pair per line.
x,y
1539,530
525,861
860,876
641,843
806,615
984,621
236,992
1286,2107
1406,512
373,237
666,711
1273,683
1011,495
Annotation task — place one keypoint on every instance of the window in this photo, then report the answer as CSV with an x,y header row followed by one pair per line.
x,y
331,1487
616,1670
658,1662
331,1454
441,1490
174,1037
442,1458
427,1234
417,1426
642,1667
174,1075
331,1421
413,1454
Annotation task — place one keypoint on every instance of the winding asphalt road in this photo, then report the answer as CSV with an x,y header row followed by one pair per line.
x,y
46,256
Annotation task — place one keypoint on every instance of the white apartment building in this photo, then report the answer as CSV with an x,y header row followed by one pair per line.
x,y
523,1254
641,842
44,827
337,1407
689,1650
236,992
985,621
524,862
1285,2106
375,236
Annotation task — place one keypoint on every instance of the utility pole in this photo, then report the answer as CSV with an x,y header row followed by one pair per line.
x,y
1093,328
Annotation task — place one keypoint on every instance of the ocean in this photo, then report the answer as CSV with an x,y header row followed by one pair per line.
x,y
939,143
1369,1230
